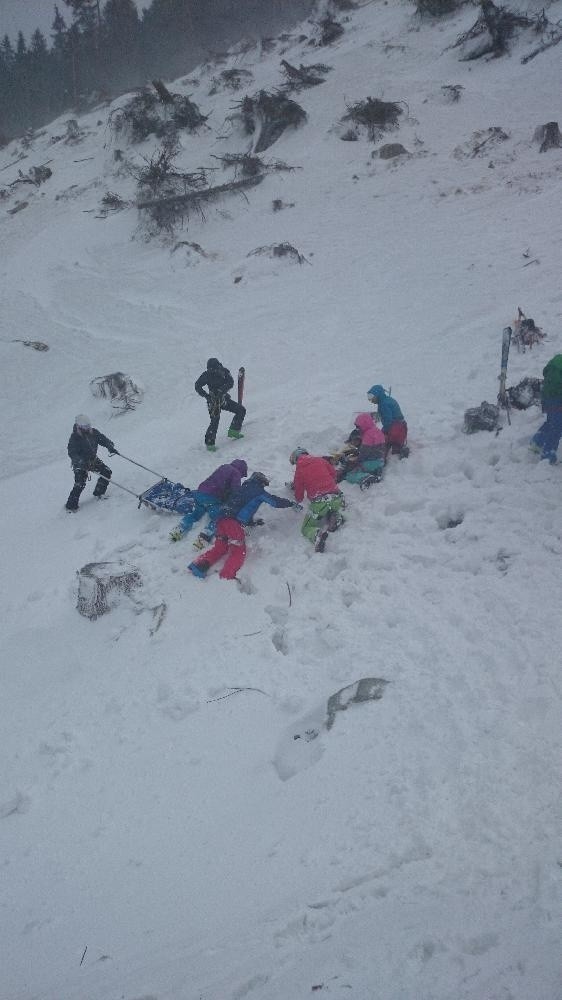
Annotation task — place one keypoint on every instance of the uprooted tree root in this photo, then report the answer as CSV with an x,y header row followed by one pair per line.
x,y
35,176
273,111
374,115
112,202
160,177
495,27
280,250
329,31
195,247
149,113
437,8
248,165
301,77
230,79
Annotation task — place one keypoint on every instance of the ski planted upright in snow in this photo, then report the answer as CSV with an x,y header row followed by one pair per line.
x,y
503,398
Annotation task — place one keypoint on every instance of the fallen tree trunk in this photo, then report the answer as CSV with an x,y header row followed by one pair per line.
x,y
203,195
556,38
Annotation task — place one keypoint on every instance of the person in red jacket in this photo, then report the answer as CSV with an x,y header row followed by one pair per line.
x,y
315,478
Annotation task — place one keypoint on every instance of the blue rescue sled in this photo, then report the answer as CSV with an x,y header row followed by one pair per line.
x,y
164,495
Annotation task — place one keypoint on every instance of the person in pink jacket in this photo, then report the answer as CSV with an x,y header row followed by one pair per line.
x,y
365,461
315,478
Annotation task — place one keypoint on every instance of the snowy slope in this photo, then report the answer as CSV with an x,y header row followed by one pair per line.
x,y
163,836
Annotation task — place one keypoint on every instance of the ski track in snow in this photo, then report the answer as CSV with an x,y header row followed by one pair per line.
x,y
155,807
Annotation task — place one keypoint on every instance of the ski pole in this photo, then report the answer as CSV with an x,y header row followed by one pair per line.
x,y
146,469
111,482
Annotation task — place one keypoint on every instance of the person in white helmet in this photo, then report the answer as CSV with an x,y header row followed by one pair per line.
x,y
82,450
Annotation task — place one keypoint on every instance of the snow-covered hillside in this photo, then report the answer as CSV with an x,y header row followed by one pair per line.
x,y
164,835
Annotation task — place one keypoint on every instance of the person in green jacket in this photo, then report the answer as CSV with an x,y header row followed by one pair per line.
x,y
545,442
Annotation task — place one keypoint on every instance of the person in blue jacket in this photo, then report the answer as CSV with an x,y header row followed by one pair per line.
x,y
235,514
394,426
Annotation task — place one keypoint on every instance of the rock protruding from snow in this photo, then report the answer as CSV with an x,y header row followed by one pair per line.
x,y
481,418
101,585
301,746
390,150
366,689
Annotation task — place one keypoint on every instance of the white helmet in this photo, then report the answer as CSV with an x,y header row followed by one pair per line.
x,y
83,422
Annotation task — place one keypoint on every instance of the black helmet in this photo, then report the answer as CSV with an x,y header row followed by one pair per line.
x,y
213,363
260,477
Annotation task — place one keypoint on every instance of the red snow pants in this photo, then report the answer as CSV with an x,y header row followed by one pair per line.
x,y
230,540
396,436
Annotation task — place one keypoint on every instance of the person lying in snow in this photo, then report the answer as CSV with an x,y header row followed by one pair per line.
x,y
234,515
364,459
218,382
209,496
394,426
82,450
545,442
316,478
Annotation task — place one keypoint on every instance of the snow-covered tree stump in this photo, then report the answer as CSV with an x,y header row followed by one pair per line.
x,y
101,585
549,136
120,389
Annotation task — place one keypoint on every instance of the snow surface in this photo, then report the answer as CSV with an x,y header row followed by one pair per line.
x,y
163,834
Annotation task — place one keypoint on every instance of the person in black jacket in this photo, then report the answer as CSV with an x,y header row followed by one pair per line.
x,y
218,381
82,449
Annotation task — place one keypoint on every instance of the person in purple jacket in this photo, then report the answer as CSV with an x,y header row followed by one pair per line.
x,y
210,495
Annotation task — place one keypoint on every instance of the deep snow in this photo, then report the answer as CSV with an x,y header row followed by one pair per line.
x,y
163,836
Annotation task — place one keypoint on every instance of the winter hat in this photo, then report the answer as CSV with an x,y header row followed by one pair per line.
x,y
240,466
83,422
297,454
260,477
213,363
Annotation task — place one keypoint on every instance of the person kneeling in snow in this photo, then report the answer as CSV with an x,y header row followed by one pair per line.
x,y
210,495
82,449
365,459
316,478
394,426
547,438
237,512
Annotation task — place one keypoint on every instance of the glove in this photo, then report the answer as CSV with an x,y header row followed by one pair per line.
x,y
113,451
176,534
297,506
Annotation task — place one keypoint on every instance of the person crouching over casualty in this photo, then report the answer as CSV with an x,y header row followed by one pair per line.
x,y
237,513
394,426
316,478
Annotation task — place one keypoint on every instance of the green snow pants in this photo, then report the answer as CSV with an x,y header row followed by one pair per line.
x,y
318,514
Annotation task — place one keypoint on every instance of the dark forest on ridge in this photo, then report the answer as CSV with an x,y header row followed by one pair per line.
x,y
99,50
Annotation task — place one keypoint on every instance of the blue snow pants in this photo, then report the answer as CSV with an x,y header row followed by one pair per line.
x,y
204,503
548,435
